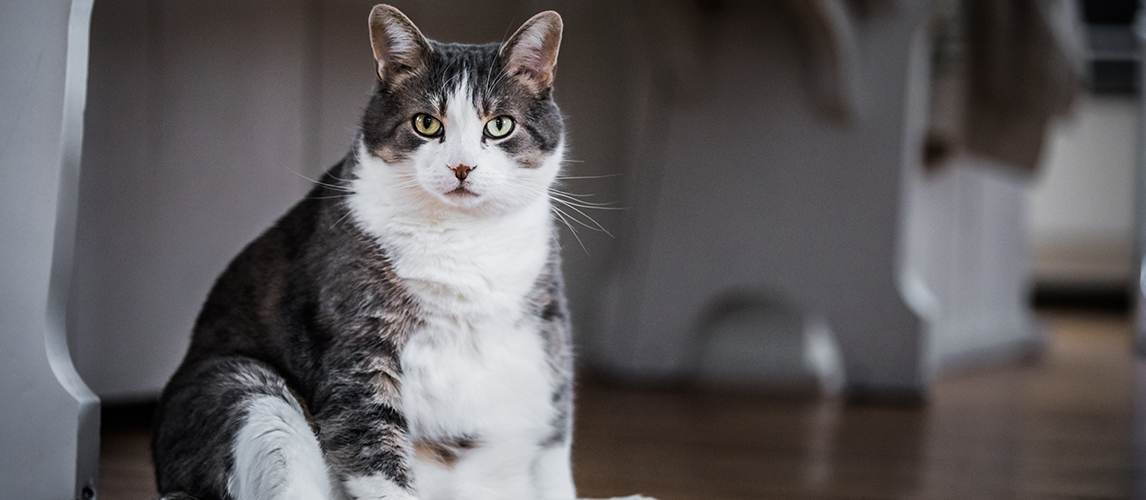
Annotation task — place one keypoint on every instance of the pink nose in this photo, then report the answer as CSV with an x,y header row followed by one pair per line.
x,y
461,171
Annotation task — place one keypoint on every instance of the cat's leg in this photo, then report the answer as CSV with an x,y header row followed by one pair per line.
x,y
276,454
362,429
554,472
231,428
368,444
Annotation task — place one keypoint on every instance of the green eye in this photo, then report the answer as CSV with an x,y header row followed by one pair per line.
x,y
499,127
427,125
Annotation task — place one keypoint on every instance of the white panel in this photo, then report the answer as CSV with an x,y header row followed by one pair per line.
x,y
49,421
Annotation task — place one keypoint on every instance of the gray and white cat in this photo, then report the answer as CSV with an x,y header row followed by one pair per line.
x,y
402,332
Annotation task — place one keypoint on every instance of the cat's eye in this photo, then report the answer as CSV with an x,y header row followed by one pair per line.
x,y
427,125
499,127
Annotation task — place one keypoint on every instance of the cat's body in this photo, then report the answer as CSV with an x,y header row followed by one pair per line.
x,y
400,333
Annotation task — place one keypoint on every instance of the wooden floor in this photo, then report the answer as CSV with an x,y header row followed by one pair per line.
x,y
1059,427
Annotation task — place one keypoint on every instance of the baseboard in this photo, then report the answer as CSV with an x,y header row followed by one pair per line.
x,y
134,414
1103,297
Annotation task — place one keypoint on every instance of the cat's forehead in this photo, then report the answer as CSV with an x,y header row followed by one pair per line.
x,y
450,58
474,70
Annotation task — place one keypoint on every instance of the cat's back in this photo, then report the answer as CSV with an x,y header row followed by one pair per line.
x,y
246,308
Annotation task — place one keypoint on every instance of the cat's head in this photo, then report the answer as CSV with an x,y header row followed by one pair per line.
x,y
468,128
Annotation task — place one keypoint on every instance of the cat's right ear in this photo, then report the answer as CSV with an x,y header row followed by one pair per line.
x,y
399,48
531,54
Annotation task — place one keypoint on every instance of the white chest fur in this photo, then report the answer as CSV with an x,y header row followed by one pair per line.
x,y
488,381
477,367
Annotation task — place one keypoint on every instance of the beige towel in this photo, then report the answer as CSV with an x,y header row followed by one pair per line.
x,y
1015,66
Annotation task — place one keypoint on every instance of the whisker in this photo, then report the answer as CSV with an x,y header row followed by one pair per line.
x,y
587,207
332,176
561,215
489,70
335,187
340,219
573,204
406,184
329,197
505,36
451,80
596,225
575,195
501,75
576,199
581,177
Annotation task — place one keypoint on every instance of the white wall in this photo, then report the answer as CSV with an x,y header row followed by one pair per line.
x,y
1082,204
194,138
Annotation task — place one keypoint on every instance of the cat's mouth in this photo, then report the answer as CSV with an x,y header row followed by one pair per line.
x,y
461,192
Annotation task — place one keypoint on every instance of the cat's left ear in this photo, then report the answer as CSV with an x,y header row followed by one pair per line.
x,y
399,47
530,55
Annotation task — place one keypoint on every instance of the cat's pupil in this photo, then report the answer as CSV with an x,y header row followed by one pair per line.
x,y
426,122
499,123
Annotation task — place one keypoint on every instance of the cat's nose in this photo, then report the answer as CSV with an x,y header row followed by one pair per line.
x,y
461,171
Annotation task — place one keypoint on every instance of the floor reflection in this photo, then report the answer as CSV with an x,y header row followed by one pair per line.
x,y
1060,426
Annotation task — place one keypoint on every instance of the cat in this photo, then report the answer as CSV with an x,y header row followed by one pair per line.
x,y
401,332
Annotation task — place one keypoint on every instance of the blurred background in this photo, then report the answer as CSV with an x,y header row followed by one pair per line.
x,y
854,248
